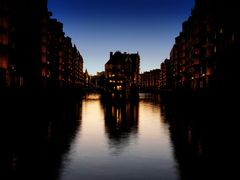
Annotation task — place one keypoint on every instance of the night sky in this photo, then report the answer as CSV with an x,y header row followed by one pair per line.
x,y
100,26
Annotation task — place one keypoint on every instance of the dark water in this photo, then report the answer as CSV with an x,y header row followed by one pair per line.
x,y
95,138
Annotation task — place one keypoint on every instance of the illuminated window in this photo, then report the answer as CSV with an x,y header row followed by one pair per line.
x,y
43,72
119,88
21,83
3,61
209,71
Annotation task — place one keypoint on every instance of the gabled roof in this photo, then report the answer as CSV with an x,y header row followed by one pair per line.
x,y
121,58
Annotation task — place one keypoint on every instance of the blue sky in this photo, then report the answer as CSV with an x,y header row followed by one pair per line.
x,y
100,26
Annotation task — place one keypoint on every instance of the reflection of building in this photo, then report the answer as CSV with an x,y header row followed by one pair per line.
x,y
36,149
121,121
122,72
34,53
202,140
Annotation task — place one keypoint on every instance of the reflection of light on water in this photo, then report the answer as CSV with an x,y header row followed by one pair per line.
x,y
118,116
120,138
92,97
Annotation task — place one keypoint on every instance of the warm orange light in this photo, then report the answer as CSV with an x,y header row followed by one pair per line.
x,y
119,88
3,62
209,71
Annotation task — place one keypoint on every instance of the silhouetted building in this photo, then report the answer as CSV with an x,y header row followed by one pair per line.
x,y
122,72
98,81
21,37
150,81
202,55
34,53
87,79
165,76
145,81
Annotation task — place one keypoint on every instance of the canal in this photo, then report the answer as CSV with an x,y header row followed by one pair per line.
x,y
141,138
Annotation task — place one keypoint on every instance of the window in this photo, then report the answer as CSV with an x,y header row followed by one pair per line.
x,y
3,61
221,31
43,72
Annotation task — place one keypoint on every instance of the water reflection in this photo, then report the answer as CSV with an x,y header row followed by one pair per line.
x,y
141,137
35,135
150,97
200,138
121,121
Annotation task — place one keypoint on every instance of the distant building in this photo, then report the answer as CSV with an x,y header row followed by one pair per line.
x,y
122,72
150,80
98,81
165,76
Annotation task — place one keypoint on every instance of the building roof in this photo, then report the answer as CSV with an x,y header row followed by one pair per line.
x,y
120,58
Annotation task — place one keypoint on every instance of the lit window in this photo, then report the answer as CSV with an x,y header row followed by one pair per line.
x,y
119,87
21,83
3,61
43,72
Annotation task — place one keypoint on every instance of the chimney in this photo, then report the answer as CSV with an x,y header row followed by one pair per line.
x,y
111,54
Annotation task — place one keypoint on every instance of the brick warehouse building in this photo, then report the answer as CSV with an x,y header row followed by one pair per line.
x,y
34,52
122,72
206,49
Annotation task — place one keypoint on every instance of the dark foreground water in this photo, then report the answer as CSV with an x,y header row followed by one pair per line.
x,y
94,138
